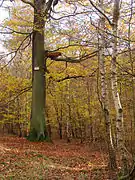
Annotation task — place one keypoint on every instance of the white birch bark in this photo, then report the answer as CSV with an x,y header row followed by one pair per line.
x,y
116,97
104,93
131,59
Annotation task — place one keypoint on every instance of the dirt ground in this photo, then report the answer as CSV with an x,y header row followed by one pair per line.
x,y
21,159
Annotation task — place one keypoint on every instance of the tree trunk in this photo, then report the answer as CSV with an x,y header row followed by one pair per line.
x,y
90,123
60,123
37,126
104,94
116,98
68,123
131,59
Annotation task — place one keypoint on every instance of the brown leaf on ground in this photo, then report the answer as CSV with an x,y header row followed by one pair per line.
x,y
21,159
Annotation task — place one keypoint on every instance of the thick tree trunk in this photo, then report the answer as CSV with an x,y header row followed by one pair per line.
x,y
116,97
104,94
37,126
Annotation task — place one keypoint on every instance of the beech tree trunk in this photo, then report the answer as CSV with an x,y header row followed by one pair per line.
x,y
104,93
38,126
118,107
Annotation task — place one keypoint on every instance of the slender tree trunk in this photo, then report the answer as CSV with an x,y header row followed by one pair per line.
x,y
59,114
68,123
37,126
116,98
90,123
60,123
131,59
104,94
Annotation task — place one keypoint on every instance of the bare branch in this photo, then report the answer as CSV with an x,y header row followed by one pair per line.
x,y
28,2
76,77
124,69
101,13
109,33
11,31
77,60
22,91
67,46
1,3
70,15
70,77
49,4
19,48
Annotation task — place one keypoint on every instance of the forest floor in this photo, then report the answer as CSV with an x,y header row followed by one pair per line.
x,y
21,159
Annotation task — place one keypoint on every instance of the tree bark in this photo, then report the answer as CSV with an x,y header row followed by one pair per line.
x,y
131,59
90,123
104,94
37,126
116,98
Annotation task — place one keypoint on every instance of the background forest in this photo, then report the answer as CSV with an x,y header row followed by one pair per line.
x,y
90,87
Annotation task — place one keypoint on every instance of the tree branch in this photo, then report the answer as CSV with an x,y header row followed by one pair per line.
x,y
1,3
13,31
22,91
70,77
70,15
29,3
19,48
49,4
67,46
111,24
109,33
76,60
75,77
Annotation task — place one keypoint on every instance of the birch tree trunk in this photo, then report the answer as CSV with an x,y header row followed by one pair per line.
x,y
116,97
104,93
131,59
